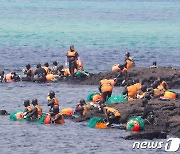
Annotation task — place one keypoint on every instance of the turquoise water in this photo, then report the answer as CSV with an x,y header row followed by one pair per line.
x,y
42,30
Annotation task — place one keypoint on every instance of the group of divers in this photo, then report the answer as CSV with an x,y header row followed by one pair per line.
x,y
133,90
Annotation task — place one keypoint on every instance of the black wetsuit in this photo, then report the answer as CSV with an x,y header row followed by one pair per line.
x,y
40,75
3,112
1,76
72,63
16,77
122,76
33,113
79,109
29,75
149,114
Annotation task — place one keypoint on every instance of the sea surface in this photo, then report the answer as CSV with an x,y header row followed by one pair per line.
x,y
71,137
33,31
39,31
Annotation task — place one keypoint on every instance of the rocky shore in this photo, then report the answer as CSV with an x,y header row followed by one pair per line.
x,y
170,75
167,114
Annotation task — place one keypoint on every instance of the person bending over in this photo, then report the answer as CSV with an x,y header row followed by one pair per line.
x,y
148,113
112,115
105,87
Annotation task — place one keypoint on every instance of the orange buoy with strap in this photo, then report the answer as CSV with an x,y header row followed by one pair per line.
x,y
65,71
47,119
96,98
115,68
79,65
136,127
19,115
112,82
101,125
170,94
67,111
8,78
49,77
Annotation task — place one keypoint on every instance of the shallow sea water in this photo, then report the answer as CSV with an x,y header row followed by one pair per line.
x,y
76,138
33,31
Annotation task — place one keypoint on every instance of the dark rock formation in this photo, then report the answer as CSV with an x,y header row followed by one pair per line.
x,y
167,114
170,75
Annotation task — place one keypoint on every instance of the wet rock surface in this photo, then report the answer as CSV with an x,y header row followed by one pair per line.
x,y
167,115
170,75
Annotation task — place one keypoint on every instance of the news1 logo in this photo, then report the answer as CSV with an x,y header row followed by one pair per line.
x,y
171,145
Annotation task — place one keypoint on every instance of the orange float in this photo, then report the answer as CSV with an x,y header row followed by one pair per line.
x,y
19,115
115,68
79,65
136,127
8,78
67,111
112,82
49,77
101,125
47,119
96,97
170,94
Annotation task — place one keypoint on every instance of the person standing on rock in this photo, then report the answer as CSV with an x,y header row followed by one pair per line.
x,y
129,62
72,57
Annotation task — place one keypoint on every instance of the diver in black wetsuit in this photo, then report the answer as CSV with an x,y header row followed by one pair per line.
x,y
40,74
3,112
148,113
15,77
72,57
2,76
36,112
29,73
